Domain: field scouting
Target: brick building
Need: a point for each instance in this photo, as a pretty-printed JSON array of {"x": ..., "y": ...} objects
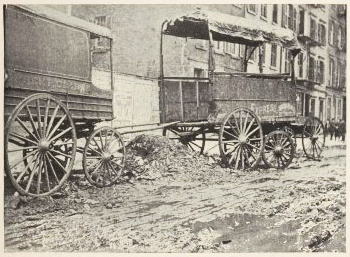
[{"x": 320, "y": 68}]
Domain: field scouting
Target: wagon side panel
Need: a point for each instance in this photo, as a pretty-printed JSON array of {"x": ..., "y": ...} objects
[
  {"x": 273, "y": 100},
  {"x": 185, "y": 100},
  {"x": 84, "y": 101}
]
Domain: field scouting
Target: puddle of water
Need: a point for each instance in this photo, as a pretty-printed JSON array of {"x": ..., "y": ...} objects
[{"x": 253, "y": 233}]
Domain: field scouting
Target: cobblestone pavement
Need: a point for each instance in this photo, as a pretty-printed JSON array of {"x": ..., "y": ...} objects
[{"x": 301, "y": 208}]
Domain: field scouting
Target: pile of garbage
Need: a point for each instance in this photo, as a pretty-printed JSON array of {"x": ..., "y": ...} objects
[{"x": 151, "y": 157}]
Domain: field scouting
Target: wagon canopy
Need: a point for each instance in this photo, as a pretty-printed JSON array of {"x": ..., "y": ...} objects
[
  {"x": 230, "y": 28},
  {"x": 60, "y": 17}
]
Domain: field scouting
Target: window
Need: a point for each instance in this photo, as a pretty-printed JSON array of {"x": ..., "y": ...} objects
[
  {"x": 334, "y": 107},
  {"x": 312, "y": 69},
  {"x": 275, "y": 14},
  {"x": 338, "y": 74},
  {"x": 312, "y": 106},
  {"x": 287, "y": 61},
  {"x": 241, "y": 50},
  {"x": 300, "y": 64},
  {"x": 105, "y": 21},
  {"x": 322, "y": 34},
  {"x": 301, "y": 21},
  {"x": 313, "y": 29},
  {"x": 252, "y": 8},
  {"x": 300, "y": 104},
  {"x": 290, "y": 17},
  {"x": 263, "y": 53},
  {"x": 338, "y": 109},
  {"x": 252, "y": 54},
  {"x": 329, "y": 108},
  {"x": 331, "y": 71},
  {"x": 219, "y": 45},
  {"x": 340, "y": 38},
  {"x": 264, "y": 10},
  {"x": 320, "y": 72},
  {"x": 284, "y": 16},
  {"x": 331, "y": 33},
  {"x": 198, "y": 73},
  {"x": 273, "y": 55},
  {"x": 231, "y": 48}
]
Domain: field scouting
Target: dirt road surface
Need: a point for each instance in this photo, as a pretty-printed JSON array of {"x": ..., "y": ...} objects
[{"x": 211, "y": 209}]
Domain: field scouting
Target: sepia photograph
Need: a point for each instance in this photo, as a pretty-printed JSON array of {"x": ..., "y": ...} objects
[{"x": 174, "y": 128}]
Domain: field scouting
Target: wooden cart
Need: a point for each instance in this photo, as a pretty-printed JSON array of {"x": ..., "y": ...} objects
[
  {"x": 251, "y": 115},
  {"x": 50, "y": 101}
]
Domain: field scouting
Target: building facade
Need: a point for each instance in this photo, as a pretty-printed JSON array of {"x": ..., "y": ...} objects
[{"x": 319, "y": 68}]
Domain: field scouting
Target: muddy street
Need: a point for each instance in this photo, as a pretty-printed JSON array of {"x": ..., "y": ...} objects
[{"x": 211, "y": 209}]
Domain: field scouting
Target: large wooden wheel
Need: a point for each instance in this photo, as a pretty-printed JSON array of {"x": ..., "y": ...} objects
[
  {"x": 104, "y": 157},
  {"x": 241, "y": 139},
  {"x": 192, "y": 137},
  {"x": 313, "y": 138},
  {"x": 278, "y": 150},
  {"x": 40, "y": 145}
]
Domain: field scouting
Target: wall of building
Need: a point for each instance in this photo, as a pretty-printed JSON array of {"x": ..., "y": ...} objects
[{"x": 136, "y": 30}]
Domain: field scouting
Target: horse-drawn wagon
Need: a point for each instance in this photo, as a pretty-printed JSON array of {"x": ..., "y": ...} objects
[
  {"x": 253, "y": 115},
  {"x": 51, "y": 102}
]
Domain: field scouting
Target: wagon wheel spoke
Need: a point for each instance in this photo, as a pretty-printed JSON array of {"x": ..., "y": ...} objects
[
  {"x": 31, "y": 177},
  {"x": 313, "y": 138},
  {"x": 193, "y": 142},
  {"x": 247, "y": 142},
  {"x": 31, "y": 120},
  {"x": 278, "y": 150},
  {"x": 100, "y": 169},
  {"x": 27, "y": 167}
]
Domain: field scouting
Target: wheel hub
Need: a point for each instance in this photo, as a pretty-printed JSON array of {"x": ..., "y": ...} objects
[
  {"x": 242, "y": 139},
  {"x": 44, "y": 145},
  {"x": 278, "y": 150},
  {"x": 106, "y": 156}
]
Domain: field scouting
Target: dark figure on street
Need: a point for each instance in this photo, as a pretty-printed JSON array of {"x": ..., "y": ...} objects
[
  {"x": 342, "y": 129},
  {"x": 332, "y": 128},
  {"x": 337, "y": 132},
  {"x": 327, "y": 127}
]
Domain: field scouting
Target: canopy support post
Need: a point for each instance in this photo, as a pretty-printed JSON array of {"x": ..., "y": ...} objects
[
  {"x": 292, "y": 68},
  {"x": 112, "y": 75},
  {"x": 161, "y": 75},
  {"x": 260, "y": 59},
  {"x": 211, "y": 61},
  {"x": 245, "y": 60}
]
